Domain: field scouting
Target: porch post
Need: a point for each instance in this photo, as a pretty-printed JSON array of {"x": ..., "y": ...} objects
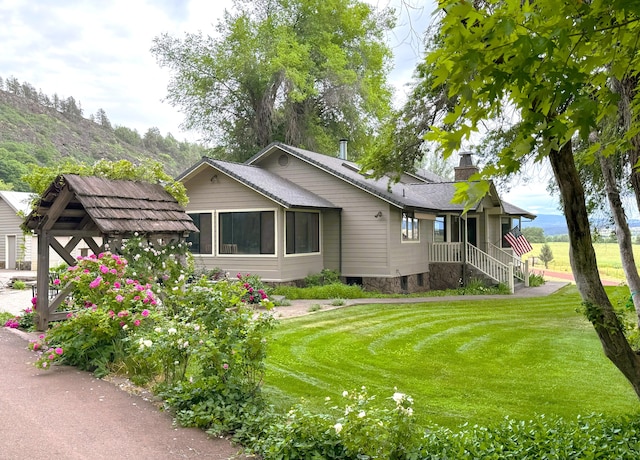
[
  {"x": 512, "y": 288},
  {"x": 526, "y": 273}
]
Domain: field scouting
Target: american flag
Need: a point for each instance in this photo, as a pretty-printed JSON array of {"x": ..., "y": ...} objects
[{"x": 518, "y": 241}]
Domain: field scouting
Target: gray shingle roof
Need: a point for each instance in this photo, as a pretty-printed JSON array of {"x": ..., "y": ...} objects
[
  {"x": 281, "y": 190},
  {"x": 397, "y": 194},
  {"x": 514, "y": 210}
]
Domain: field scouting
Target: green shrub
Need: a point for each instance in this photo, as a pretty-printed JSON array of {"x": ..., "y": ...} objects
[
  {"x": 331, "y": 291},
  {"x": 323, "y": 278},
  {"x": 19, "y": 285},
  {"x": 362, "y": 428},
  {"x": 550, "y": 438},
  {"x": 536, "y": 280}
]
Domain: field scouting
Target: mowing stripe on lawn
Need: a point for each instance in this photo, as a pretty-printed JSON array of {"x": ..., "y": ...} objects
[{"x": 460, "y": 361}]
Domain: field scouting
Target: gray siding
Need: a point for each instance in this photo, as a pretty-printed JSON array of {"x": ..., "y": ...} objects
[
  {"x": 365, "y": 238},
  {"x": 408, "y": 257},
  {"x": 10, "y": 225}
]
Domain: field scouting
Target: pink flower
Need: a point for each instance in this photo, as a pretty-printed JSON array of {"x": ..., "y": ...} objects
[
  {"x": 113, "y": 271},
  {"x": 101, "y": 255},
  {"x": 117, "y": 285},
  {"x": 145, "y": 313},
  {"x": 130, "y": 281},
  {"x": 36, "y": 346},
  {"x": 34, "y": 301},
  {"x": 111, "y": 313},
  {"x": 85, "y": 271},
  {"x": 119, "y": 298},
  {"x": 52, "y": 356},
  {"x": 225, "y": 366},
  {"x": 41, "y": 336},
  {"x": 95, "y": 283},
  {"x": 136, "y": 298},
  {"x": 56, "y": 282},
  {"x": 28, "y": 310},
  {"x": 58, "y": 351},
  {"x": 136, "y": 322},
  {"x": 69, "y": 315},
  {"x": 123, "y": 314},
  {"x": 73, "y": 267}
]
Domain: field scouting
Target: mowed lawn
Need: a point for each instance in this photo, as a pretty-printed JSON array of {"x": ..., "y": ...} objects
[{"x": 463, "y": 361}]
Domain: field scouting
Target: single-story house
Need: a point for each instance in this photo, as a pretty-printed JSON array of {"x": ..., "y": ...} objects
[{"x": 287, "y": 213}]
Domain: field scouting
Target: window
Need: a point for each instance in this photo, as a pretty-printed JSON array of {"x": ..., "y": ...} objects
[
  {"x": 303, "y": 232},
  {"x": 247, "y": 232},
  {"x": 506, "y": 226},
  {"x": 410, "y": 227},
  {"x": 440, "y": 229},
  {"x": 201, "y": 243}
]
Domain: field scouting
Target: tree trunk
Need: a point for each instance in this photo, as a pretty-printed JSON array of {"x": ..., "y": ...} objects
[
  {"x": 623, "y": 233},
  {"x": 582, "y": 256}
]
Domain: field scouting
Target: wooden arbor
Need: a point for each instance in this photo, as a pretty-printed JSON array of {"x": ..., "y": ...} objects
[{"x": 89, "y": 208}]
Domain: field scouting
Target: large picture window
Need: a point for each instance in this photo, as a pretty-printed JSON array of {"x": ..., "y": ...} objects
[
  {"x": 247, "y": 232},
  {"x": 201, "y": 243},
  {"x": 303, "y": 232},
  {"x": 410, "y": 227}
]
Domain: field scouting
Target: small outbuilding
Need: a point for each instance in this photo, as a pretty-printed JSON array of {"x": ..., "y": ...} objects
[{"x": 102, "y": 213}]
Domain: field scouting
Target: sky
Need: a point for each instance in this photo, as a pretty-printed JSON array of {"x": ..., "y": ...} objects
[{"x": 99, "y": 53}]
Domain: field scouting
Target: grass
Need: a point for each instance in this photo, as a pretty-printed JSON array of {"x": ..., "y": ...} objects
[
  {"x": 461, "y": 361},
  {"x": 607, "y": 255}
]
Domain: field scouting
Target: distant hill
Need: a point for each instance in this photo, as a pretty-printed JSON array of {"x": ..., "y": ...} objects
[
  {"x": 553, "y": 225},
  {"x": 42, "y": 130}
]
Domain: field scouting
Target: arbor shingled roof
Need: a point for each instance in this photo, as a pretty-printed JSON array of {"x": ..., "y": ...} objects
[{"x": 112, "y": 207}]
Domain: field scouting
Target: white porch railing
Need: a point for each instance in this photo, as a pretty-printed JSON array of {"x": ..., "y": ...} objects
[
  {"x": 445, "y": 252},
  {"x": 499, "y": 266},
  {"x": 490, "y": 266},
  {"x": 520, "y": 268}
]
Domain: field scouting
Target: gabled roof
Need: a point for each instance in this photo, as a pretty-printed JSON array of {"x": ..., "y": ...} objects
[
  {"x": 274, "y": 187},
  {"x": 20, "y": 202},
  {"x": 514, "y": 210},
  {"x": 397, "y": 194},
  {"x": 111, "y": 207},
  {"x": 440, "y": 194}
]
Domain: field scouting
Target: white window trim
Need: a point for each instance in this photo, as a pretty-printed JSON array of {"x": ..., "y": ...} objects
[{"x": 410, "y": 241}]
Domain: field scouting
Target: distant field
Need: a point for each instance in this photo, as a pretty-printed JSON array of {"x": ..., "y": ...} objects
[
  {"x": 462, "y": 361},
  {"x": 607, "y": 254}
]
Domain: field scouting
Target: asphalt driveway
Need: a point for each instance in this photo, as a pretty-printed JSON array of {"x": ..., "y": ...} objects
[{"x": 65, "y": 413}]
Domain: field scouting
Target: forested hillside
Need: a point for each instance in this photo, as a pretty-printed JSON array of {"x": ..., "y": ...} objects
[{"x": 43, "y": 130}]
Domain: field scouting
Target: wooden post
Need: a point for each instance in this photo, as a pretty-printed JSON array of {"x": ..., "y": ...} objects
[{"x": 42, "y": 281}]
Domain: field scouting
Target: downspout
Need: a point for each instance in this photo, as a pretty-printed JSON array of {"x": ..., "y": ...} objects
[
  {"x": 465, "y": 242},
  {"x": 340, "y": 241}
]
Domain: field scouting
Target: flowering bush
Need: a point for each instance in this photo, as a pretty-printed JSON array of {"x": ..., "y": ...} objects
[
  {"x": 255, "y": 290},
  {"x": 360, "y": 429},
  {"x": 25, "y": 321}
]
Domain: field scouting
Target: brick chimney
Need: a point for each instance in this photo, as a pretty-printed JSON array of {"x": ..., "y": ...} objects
[{"x": 466, "y": 168}]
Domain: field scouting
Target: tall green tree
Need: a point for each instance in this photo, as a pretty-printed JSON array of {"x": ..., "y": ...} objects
[
  {"x": 549, "y": 66},
  {"x": 306, "y": 72}
]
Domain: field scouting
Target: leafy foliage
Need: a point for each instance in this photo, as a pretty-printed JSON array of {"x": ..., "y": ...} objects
[
  {"x": 40, "y": 178},
  {"x": 36, "y": 131},
  {"x": 305, "y": 72}
]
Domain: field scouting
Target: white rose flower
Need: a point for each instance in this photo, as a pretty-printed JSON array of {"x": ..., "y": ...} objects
[
  {"x": 398, "y": 397},
  {"x": 337, "y": 427},
  {"x": 362, "y": 414}
]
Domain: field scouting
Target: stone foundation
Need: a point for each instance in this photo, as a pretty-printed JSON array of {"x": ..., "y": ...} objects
[
  {"x": 409, "y": 284},
  {"x": 445, "y": 276}
]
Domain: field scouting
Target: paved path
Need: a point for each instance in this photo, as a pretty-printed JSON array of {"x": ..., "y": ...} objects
[{"x": 68, "y": 414}]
